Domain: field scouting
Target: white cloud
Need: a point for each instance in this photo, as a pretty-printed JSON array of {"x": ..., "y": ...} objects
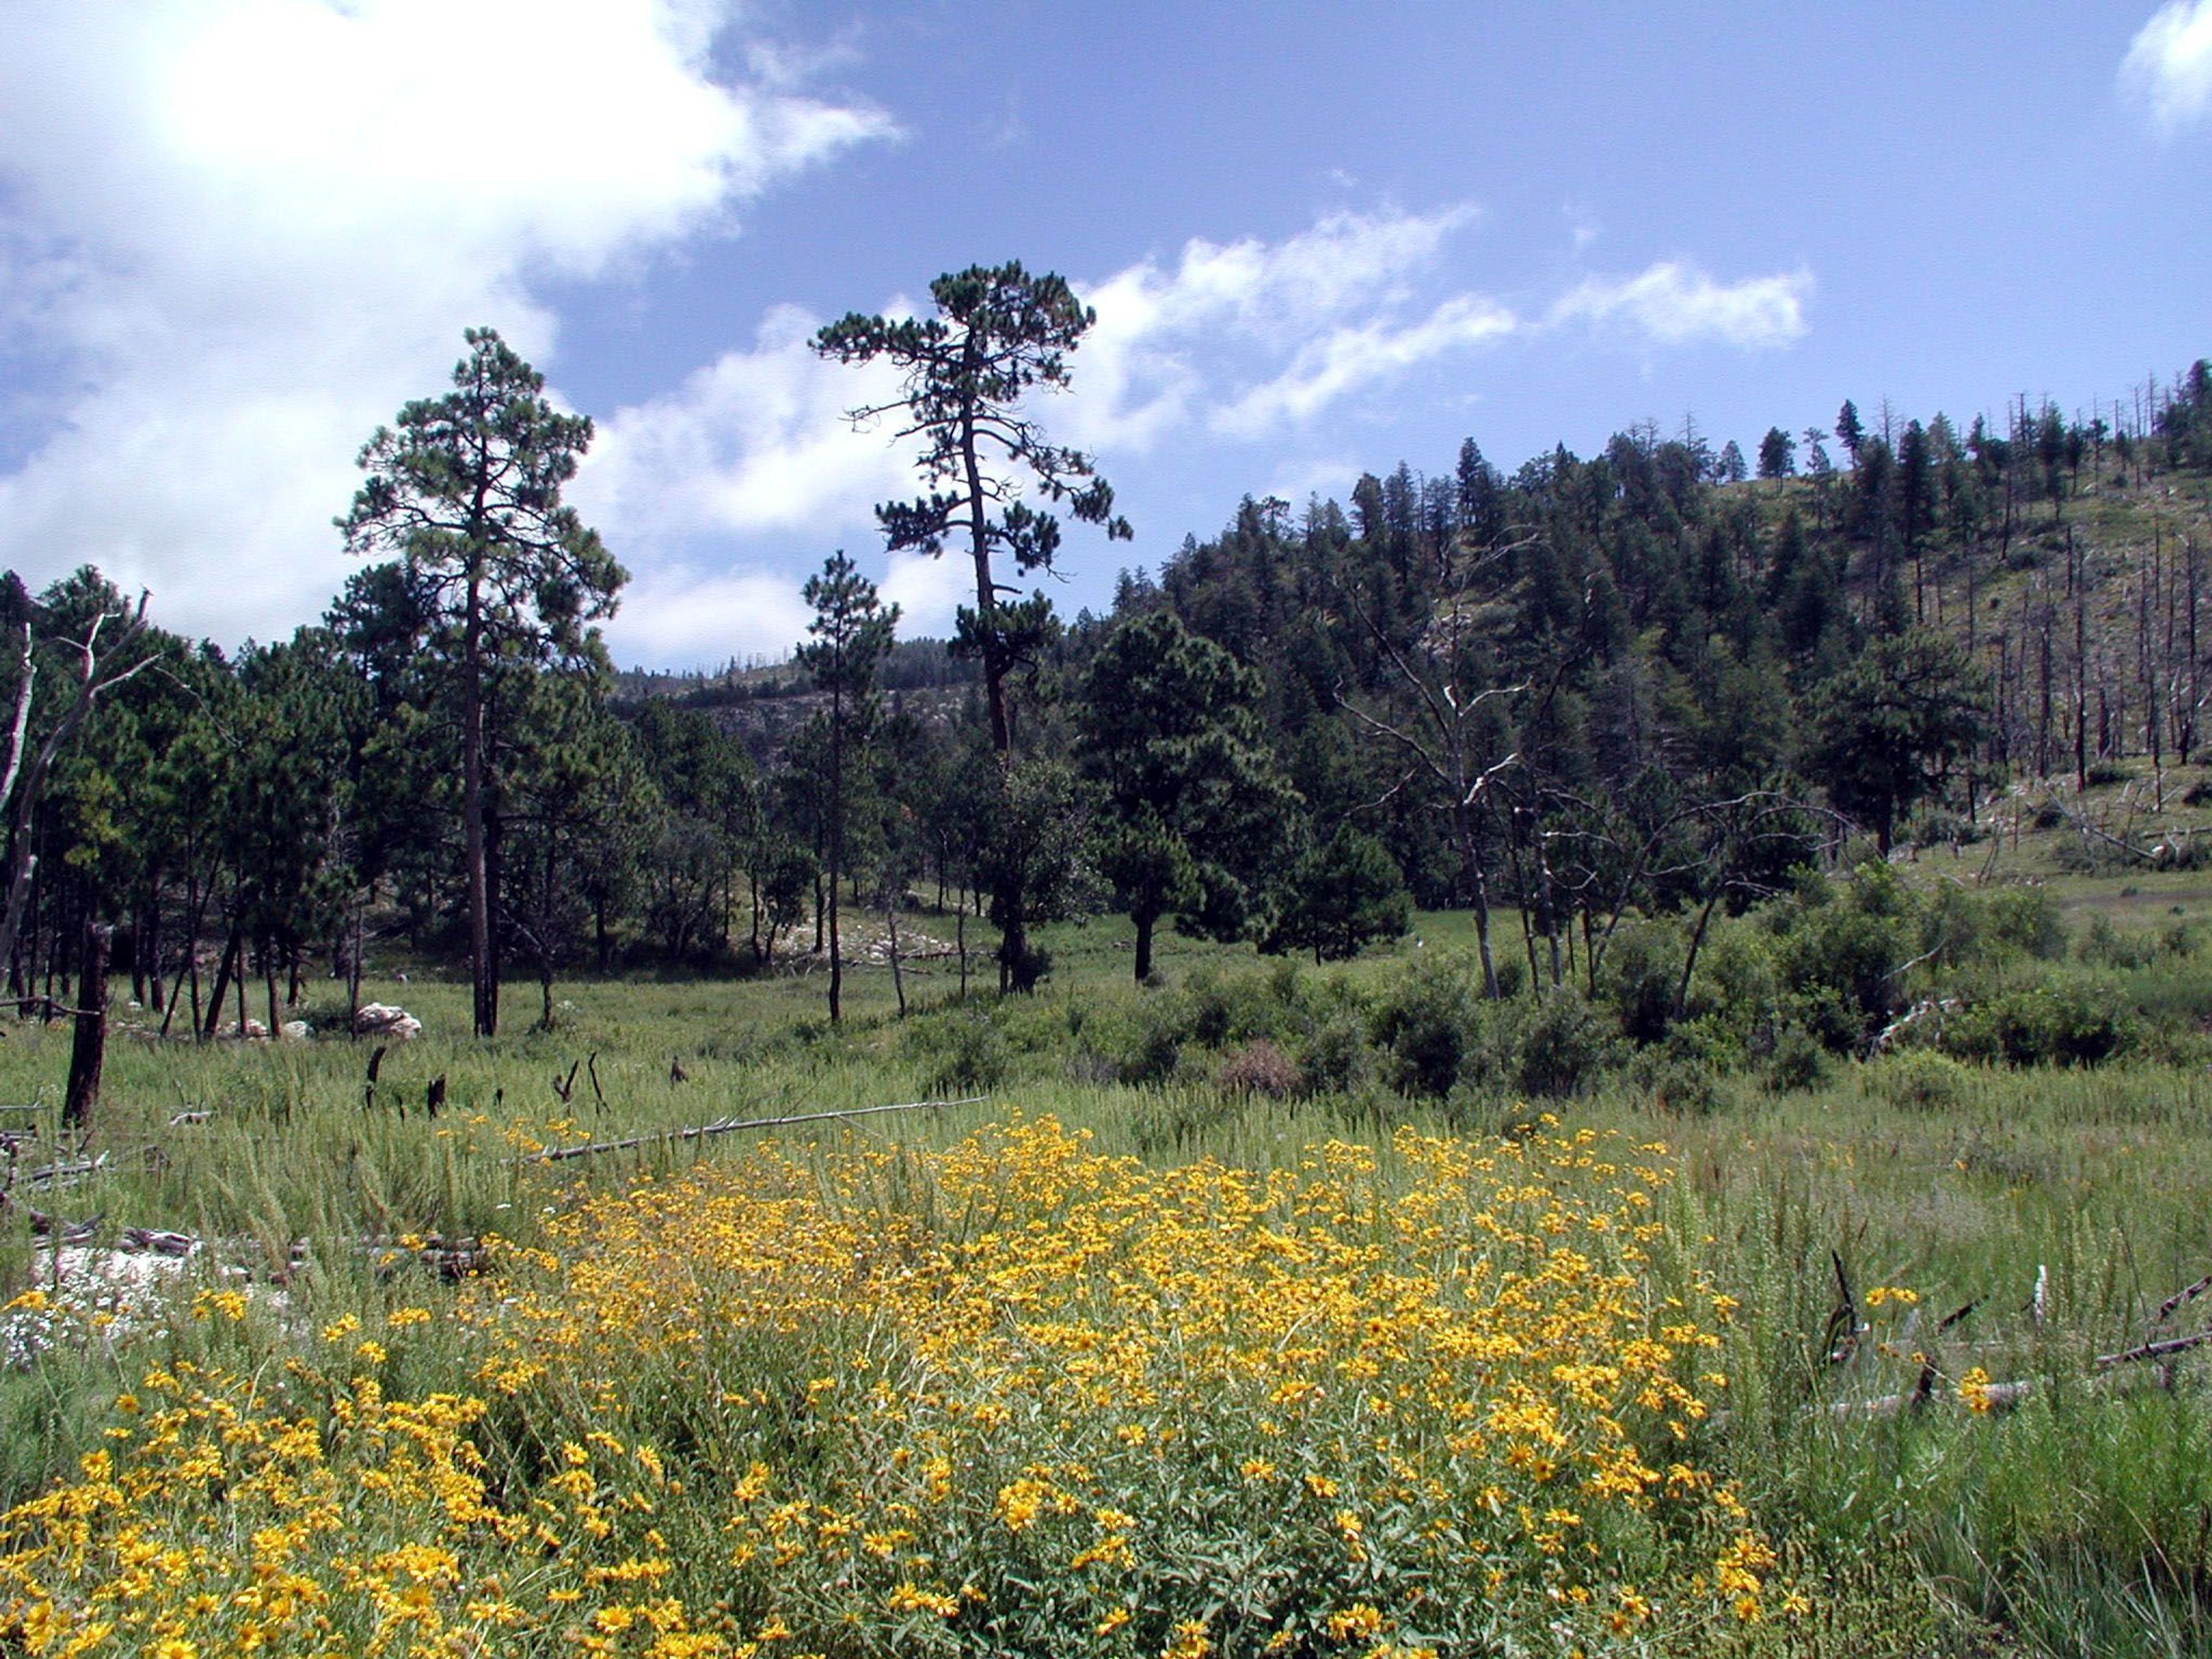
[
  {"x": 756, "y": 441},
  {"x": 2168, "y": 67},
  {"x": 1169, "y": 341},
  {"x": 1347, "y": 359},
  {"x": 251, "y": 228},
  {"x": 928, "y": 591},
  {"x": 682, "y": 613},
  {"x": 1672, "y": 304},
  {"x": 676, "y": 612},
  {"x": 1242, "y": 340}
]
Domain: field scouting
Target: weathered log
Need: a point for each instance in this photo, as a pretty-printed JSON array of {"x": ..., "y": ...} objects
[{"x": 729, "y": 1126}]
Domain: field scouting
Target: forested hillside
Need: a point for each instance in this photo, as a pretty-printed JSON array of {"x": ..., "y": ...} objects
[{"x": 1642, "y": 681}]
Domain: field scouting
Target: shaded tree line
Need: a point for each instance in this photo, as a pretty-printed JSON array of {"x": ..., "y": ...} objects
[{"x": 1593, "y": 690}]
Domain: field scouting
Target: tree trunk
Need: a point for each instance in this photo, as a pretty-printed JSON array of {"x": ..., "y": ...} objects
[
  {"x": 230, "y": 951},
  {"x": 890, "y": 928},
  {"x": 752, "y": 886},
  {"x": 1144, "y": 947},
  {"x": 89, "y": 1049},
  {"x": 158, "y": 1002},
  {"x": 484, "y": 1006},
  {"x": 353, "y": 968},
  {"x": 837, "y": 849}
]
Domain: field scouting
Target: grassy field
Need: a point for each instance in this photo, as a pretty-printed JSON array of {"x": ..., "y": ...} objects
[{"x": 1171, "y": 1338}]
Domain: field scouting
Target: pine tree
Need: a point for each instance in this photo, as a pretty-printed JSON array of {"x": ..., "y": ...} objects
[
  {"x": 852, "y": 631},
  {"x": 466, "y": 491}
]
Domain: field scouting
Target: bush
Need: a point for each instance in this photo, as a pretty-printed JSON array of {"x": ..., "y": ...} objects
[
  {"x": 1563, "y": 1047},
  {"x": 1335, "y": 1059},
  {"x": 1798, "y": 1062},
  {"x": 1842, "y": 952},
  {"x": 1642, "y": 970},
  {"x": 2104, "y": 946},
  {"x": 963, "y": 1050},
  {"x": 1736, "y": 980},
  {"x": 2027, "y": 920},
  {"x": 1422, "y": 1024},
  {"x": 1682, "y": 1087},
  {"x": 1953, "y": 927},
  {"x": 1919, "y": 1081},
  {"x": 1240, "y": 1008},
  {"x": 1154, "y": 1058},
  {"x": 2067, "y": 1021},
  {"x": 1259, "y": 1069}
]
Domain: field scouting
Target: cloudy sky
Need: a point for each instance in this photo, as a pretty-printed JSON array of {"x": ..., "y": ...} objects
[{"x": 236, "y": 234}]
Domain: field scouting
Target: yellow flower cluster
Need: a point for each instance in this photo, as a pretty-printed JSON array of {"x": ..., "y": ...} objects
[{"x": 1016, "y": 1393}]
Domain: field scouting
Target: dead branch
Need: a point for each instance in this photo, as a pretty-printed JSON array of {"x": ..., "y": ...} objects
[
  {"x": 730, "y": 1125},
  {"x": 2164, "y": 1349},
  {"x": 2172, "y": 1304}
]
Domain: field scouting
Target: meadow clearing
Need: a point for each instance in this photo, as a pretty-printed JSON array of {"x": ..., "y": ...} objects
[{"x": 1188, "y": 1330}]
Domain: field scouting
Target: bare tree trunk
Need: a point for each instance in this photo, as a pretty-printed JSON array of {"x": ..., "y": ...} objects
[
  {"x": 231, "y": 949},
  {"x": 89, "y": 1048},
  {"x": 484, "y": 1004},
  {"x": 25, "y": 785},
  {"x": 891, "y": 926},
  {"x": 353, "y": 968}
]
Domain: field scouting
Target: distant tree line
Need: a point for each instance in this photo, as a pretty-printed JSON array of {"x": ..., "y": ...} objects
[{"x": 1594, "y": 690}]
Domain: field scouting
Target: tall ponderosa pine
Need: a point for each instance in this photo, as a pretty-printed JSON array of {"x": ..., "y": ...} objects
[
  {"x": 852, "y": 632},
  {"x": 465, "y": 490},
  {"x": 999, "y": 334}
]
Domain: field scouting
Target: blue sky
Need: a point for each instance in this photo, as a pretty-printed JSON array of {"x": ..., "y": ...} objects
[{"x": 235, "y": 235}]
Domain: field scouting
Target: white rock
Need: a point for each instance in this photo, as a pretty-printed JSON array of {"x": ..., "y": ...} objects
[{"x": 385, "y": 1020}]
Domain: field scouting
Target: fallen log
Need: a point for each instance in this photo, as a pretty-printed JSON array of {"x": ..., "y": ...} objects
[
  {"x": 729, "y": 1126},
  {"x": 1997, "y": 1397},
  {"x": 2162, "y": 1350}
]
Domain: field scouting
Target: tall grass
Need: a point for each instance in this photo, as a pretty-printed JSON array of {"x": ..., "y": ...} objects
[{"x": 2077, "y": 1523}]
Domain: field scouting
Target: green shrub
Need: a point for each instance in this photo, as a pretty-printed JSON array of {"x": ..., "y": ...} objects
[
  {"x": 2027, "y": 920},
  {"x": 1919, "y": 1081},
  {"x": 1642, "y": 969},
  {"x": 1683, "y": 1087},
  {"x": 963, "y": 1050},
  {"x": 1563, "y": 1047},
  {"x": 1798, "y": 1062},
  {"x": 1154, "y": 1058},
  {"x": 1422, "y": 1023},
  {"x": 2104, "y": 946},
  {"x": 1840, "y": 956},
  {"x": 1737, "y": 979},
  {"x": 2067, "y": 1020},
  {"x": 1335, "y": 1057}
]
